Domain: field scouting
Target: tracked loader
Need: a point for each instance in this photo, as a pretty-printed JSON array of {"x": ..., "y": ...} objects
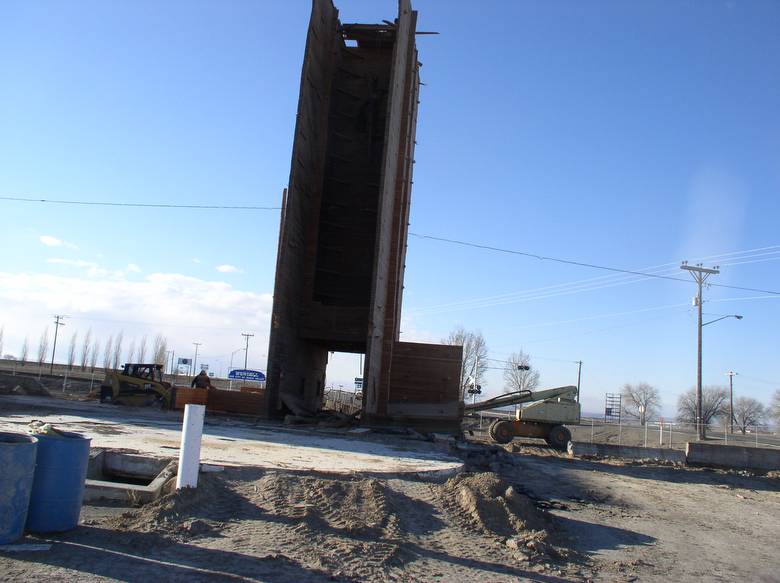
[{"x": 137, "y": 384}]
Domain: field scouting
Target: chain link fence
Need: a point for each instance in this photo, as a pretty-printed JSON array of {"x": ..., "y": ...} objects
[{"x": 672, "y": 435}]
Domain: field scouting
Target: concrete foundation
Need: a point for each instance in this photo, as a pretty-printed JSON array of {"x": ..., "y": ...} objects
[
  {"x": 625, "y": 452},
  {"x": 732, "y": 456},
  {"x": 126, "y": 477}
]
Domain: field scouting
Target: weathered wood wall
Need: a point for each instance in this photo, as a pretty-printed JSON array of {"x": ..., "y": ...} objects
[{"x": 343, "y": 237}]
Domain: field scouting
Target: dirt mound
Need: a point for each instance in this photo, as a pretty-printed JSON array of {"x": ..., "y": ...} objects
[
  {"x": 178, "y": 511},
  {"x": 10, "y": 385},
  {"x": 349, "y": 506},
  {"x": 492, "y": 506}
]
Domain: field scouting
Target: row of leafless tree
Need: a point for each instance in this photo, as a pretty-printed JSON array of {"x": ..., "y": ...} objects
[
  {"x": 642, "y": 401},
  {"x": 85, "y": 352},
  {"x": 518, "y": 372}
]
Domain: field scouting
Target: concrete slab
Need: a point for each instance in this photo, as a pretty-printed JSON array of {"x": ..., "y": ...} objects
[
  {"x": 732, "y": 456},
  {"x": 581, "y": 449},
  {"x": 231, "y": 441}
]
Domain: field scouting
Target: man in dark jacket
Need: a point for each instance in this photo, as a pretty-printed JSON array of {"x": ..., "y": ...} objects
[{"x": 202, "y": 381}]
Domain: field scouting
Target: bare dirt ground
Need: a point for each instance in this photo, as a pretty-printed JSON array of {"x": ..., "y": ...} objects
[
  {"x": 529, "y": 515},
  {"x": 520, "y": 513}
]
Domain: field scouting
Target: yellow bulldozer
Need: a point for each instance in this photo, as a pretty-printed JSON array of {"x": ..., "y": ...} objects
[{"x": 139, "y": 385}]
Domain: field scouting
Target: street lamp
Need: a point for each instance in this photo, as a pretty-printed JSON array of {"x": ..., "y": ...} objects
[
  {"x": 231, "y": 364},
  {"x": 731, "y": 375},
  {"x": 737, "y": 316}
]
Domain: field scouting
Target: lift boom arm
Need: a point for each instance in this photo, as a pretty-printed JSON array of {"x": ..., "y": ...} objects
[{"x": 518, "y": 397}]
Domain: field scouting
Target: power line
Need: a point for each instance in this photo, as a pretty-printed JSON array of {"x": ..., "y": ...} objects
[
  {"x": 143, "y": 205},
  {"x": 418, "y": 235},
  {"x": 580, "y": 286},
  {"x": 579, "y": 263}
]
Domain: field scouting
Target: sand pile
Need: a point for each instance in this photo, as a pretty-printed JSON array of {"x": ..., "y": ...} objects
[
  {"x": 358, "y": 507},
  {"x": 492, "y": 506},
  {"x": 194, "y": 511}
]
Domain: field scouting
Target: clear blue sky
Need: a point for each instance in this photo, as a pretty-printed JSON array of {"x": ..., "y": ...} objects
[{"x": 627, "y": 134}]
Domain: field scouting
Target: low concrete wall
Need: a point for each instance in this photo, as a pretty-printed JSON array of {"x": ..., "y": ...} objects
[
  {"x": 626, "y": 452},
  {"x": 732, "y": 456}
]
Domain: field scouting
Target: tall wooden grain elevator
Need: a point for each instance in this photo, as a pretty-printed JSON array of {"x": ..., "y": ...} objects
[{"x": 344, "y": 227}]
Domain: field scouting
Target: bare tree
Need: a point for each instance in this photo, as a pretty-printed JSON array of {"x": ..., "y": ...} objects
[
  {"x": 43, "y": 346},
  {"x": 93, "y": 354},
  {"x": 131, "y": 352},
  {"x": 714, "y": 404},
  {"x": 108, "y": 351},
  {"x": 117, "y": 350},
  {"x": 142, "y": 349},
  {"x": 25, "y": 350},
  {"x": 747, "y": 412},
  {"x": 474, "y": 356},
  {"x": 85, "y": 345},
  {"x": 159, "y": 349},
  {"x": 774, "y": 407},
  {"x": 519, "y": 375},
  {"x": 72, "y": 350},
  {"x": 641, "y": 401}
]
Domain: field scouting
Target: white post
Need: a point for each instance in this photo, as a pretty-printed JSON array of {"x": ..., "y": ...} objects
[
  {"x": 189, "y": 452},
  {"x": 756, "y": 435},
  {"x": 64, "y": 380},
  {"x": 670, "y": 436},
  {"x": 661, "y": 433},
  {"x": 645, "y": 432},
  {"x": 91, "y": 380}
]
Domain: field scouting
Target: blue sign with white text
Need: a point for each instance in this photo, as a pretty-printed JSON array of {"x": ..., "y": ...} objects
[{"x": 247, "y": 375}]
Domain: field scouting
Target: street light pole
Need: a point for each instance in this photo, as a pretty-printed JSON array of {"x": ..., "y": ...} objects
[
  {"x": 230, "y": 384},
  {"x": 700, "y": 275},
  {"x": 195, "y": 362},
  {"x": 246, "y": 350},
  {"x": 731, "y": 374},
  {"x": 579, "y": 374}
]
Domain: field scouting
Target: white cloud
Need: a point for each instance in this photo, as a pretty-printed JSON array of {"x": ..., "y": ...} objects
[
  {"x": 92, "y": 268},
  {"x": 50, "y": 241},
  {"x": 196, "y": 260},
  {"x": 184, "y": 309},
  {"x": 227, "y": 268}
]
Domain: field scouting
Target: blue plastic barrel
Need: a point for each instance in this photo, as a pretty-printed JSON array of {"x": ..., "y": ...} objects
[
  {"x": 58, "y": 487},
  {"x": 17, "y": 467}
]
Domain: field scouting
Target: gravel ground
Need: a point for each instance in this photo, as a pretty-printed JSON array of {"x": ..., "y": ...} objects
[{"x": 528, "y": 515}]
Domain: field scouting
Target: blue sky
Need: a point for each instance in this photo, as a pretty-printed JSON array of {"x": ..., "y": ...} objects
[{"x": 633, "y": 135}]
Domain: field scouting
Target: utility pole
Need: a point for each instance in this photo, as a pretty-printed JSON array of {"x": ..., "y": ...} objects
[
  {"x": 57, "y": 323},
  {"x": 700, "y": 275},
  {"x": 195, "y": 362},
  {"x": 246, "y": 350},
  {"x": 579, "y": 375},
  {"x": 731, "y": 374}
]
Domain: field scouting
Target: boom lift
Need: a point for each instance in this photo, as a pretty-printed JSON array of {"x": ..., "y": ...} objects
[{"x": 546, "y": 417}]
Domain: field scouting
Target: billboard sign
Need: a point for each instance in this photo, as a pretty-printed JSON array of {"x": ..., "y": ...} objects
[{"x": 245, "y": 374}]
